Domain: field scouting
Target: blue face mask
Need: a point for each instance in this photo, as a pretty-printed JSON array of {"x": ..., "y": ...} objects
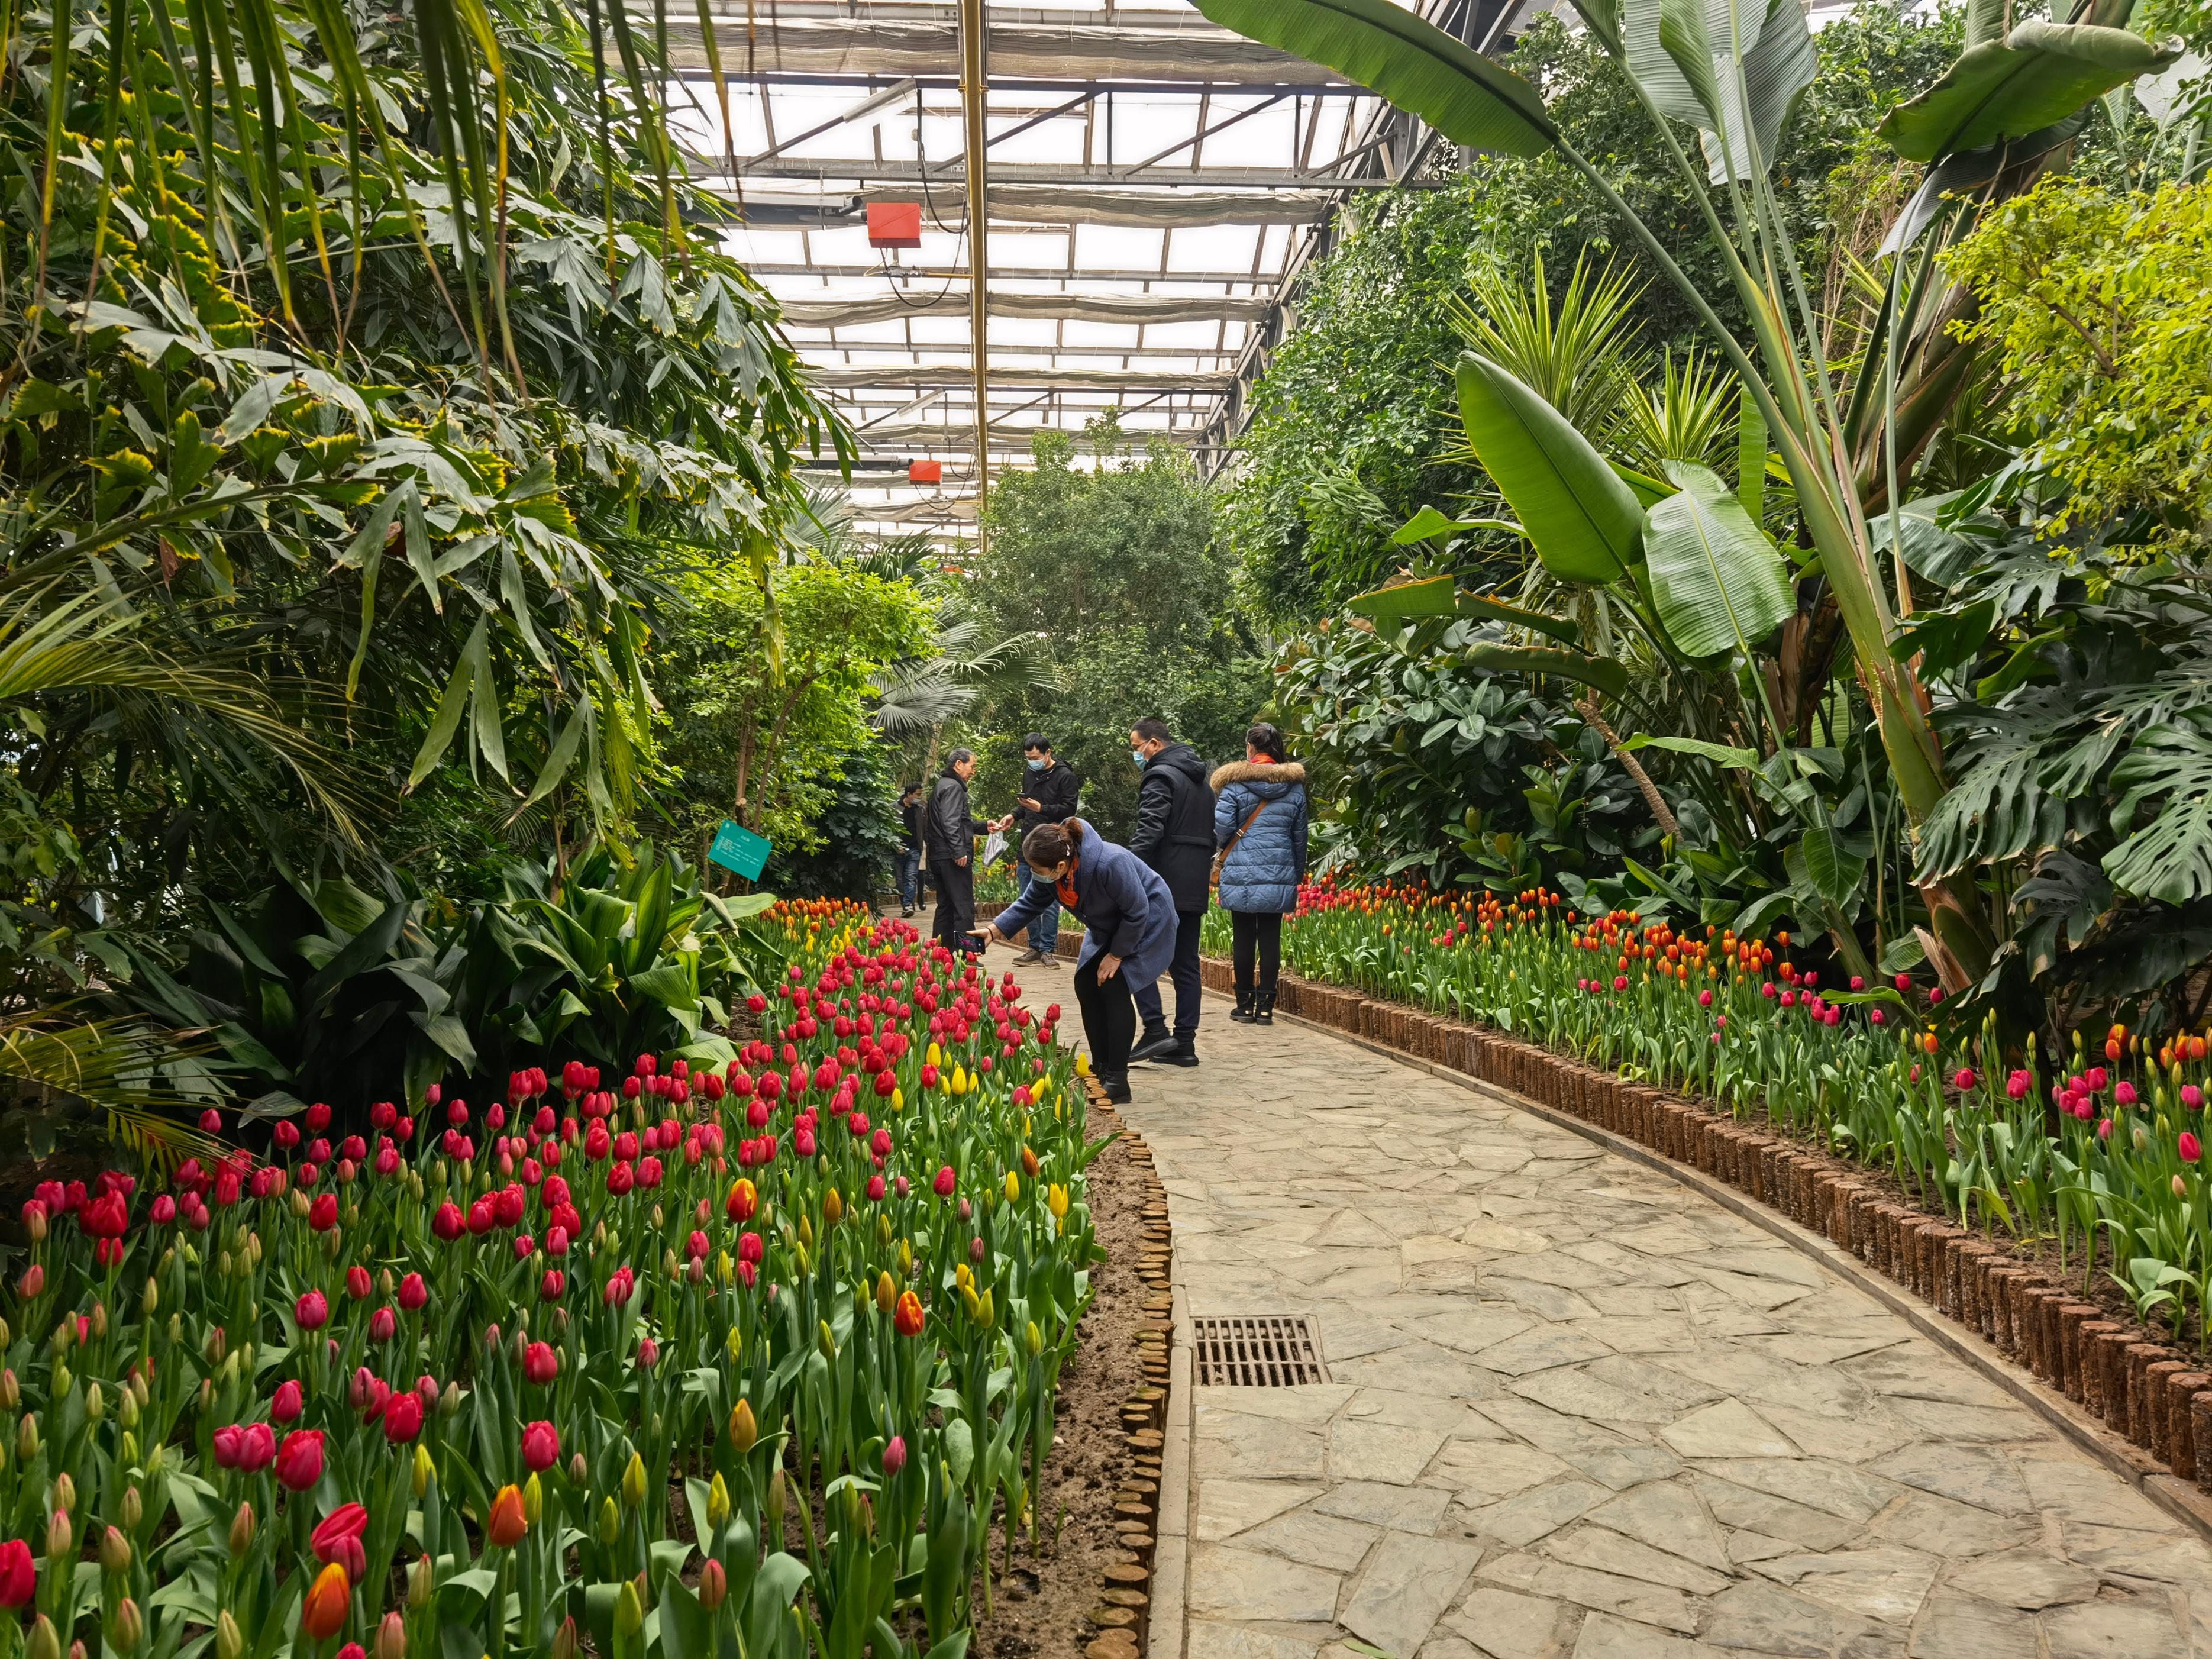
[
  {"x": 1139, "y": 755},
  {"x": 1037, "y": 766}
]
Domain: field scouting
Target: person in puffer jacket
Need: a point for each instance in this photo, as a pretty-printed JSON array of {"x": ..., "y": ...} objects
[{"x": 1259, "y": 814}]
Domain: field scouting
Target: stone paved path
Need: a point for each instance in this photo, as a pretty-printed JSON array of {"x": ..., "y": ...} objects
[{"x": 1576, "y": 1409}]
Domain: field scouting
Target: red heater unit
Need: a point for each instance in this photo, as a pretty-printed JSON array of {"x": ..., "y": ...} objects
[
  {"x": 893, "y": 224},
  {"x": 928, "y": 472}
]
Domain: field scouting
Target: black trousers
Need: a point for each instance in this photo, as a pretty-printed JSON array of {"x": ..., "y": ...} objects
[
  {"x": 956, "y": 902},
  {"x": 1110, "y": 1020},
  {"x": 1183, "y": 971},
  {"x": 1261, "y": 930}
]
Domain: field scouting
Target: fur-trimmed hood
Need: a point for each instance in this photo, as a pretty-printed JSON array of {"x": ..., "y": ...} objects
[{"x": 1257, "y": 772}]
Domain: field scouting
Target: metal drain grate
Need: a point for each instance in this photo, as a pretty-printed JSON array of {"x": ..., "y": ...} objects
[{"x": 1261, "y": 1353}]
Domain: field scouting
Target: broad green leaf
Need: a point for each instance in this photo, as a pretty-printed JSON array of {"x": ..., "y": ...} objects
[
  {"x": 1717, "y": 581},
  {"x": 2039, "y": 74},
  {"x": 1931, "y": 550},
  {"x": 1731, "y": 67},
  {"x": 452, "y": 705},
  {"x": 1833, "y": 872},
  {"x": 1469, "y": 98},
  {"x": 1429, "y": 523},
  {"x": 1432, "y": 597},
  {"x": 2171, "y": 857},
  {"x": 1603, "y": 672},
  {"x": 1584, "y": 521},
  {"x": 1721, "y": 754}
]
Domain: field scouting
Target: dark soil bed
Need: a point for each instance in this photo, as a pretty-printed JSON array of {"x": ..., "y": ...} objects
[{"x": 1044, "y": 1607}]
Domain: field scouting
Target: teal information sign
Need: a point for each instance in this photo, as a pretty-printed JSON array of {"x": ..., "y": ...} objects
[{"x": 737, "y": 848}]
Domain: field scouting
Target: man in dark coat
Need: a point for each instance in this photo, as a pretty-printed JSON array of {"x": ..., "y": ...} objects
[
  {"x": 906, "y": 863},
  {"x": 952, "y": 833},
  {"x": 1048, "y": 792},
  {"x": 1175, "y": 836}
]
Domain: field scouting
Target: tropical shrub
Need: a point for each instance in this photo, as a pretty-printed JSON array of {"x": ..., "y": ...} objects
[{"x": 740, "y": 1359}]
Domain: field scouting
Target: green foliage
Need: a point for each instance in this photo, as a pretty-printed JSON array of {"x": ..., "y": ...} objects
[
  {"x": 2096, "y": 299},
  {"x": 1422, "y": 762},
  {"x": 762, "y": 726},
  {"x": 1353, "y": 426},
  {"x": 1117, "y": 571}
]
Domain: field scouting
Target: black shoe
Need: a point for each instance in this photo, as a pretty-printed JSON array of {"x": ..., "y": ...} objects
[
  {"x": 1263, "y": 1010},
  {"x": 1242, "y": 1012},
  {"x": 1154, "y": 1043},
  {"x": 1117, "y": 1090},
  {"x": 1184, "y": 1052}
]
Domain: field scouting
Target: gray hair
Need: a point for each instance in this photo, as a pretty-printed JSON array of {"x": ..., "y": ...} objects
[{"x": 957, "y": 757}]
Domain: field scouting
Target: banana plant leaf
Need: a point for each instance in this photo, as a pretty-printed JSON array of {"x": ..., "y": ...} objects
[
  {"x": 1584, "y": 521},
  {"x": 1469, "y": 98},
  {"x": 1438, "y": 598},
  {"x": 1603, "y": 672},
  {"x": 1733, "y": 69},
  {"x": 1429, "y": 523},
  {"x": 2039, "y": 74},
  {"x": 1717, "y": 581}
]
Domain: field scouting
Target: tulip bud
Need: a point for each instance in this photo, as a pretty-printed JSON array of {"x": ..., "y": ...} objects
[
  {"x": 95, "y": 1403},
  {"x": 126, "y": 1410},
  {"x": 824, "y": 1341},
  {"x": 629, "y": 1610},
  {"x": 564, "y": 1640},
  {"x": 241, "y": 1531},
  {"x": 115, "y": 1549},
  {"x": 1036, "y": 1340},
  {"x": 449, "y": 1402},
  {"x": 533, "y": 1500},
  {"x": 718, "y": 1502},
  {"x": 229, "y": 1640},
  {"x": 59, "y": 1387},
  {"x": 391, "y": 1637},
  {"x": 134, "y": 1509},
  {"x": 151, "y": 1299},
  {"x": 609, "y": 1521},
  {"x": 633, "y": 1485},
  {"x": 578, "y": 1471},
  {"x": 126, "y": 1627},
  {"x": 61, "y": 1537},
  {"x": 775, "y": 1503},
  {"x": 99, "y": 1320},
  {"x": 422, "y": 1581},
  {"x": 744, "y": 1430},
  {"x": 45, "y": 1644},
  {"x": 425, "y": 1469}
]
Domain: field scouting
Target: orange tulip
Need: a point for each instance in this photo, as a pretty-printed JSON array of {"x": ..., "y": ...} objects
[
  {"x": 323, "y": 1614},
  {"x": 507, "y": 1522}
]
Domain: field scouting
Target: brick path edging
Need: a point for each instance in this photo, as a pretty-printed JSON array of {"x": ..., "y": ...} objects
[{"x": 2138, "y": 1405}]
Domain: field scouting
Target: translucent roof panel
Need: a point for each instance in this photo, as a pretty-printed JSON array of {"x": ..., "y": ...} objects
[{"x": 1155, "y": 185}]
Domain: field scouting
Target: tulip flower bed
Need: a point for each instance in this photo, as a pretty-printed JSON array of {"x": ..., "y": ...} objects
[
  {"x": 2097, "y": 1153},
  {"x": 691, "y": 1362}
]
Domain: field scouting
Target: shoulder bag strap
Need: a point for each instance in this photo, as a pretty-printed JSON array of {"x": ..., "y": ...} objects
[{"x": 1221, "y": 858}]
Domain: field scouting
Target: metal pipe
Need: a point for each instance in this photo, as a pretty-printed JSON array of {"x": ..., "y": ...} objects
[{"x": 975, "y": 100}]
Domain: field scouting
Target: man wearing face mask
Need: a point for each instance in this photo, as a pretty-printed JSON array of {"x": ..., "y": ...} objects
[
  {"x": 1175, "y": 836},
  {"x": 1049, "y": 792}
]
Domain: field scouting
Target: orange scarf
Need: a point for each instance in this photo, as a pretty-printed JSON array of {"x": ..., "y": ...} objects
[{"x": 1064, "y": 884}]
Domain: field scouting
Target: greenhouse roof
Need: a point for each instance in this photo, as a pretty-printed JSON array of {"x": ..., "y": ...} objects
[{"x": 1155, "y": 185}]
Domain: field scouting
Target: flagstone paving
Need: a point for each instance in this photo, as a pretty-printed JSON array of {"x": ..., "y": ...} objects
[{"x": 1576, "y": 1411}]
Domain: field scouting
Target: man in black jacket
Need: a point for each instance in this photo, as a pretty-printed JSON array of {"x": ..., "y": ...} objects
[
  {"x": 906, "y": 863},
  {"x": 1175, "y": 836},
  {"x": 952, "y": 833},
  {"x": 1049, "y": 792}
]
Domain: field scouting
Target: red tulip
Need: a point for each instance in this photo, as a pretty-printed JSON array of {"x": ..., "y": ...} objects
[
  {"x": 541, "y": 1446},
  {"x": 540, "y": 1364},
  {"x": 300, "y": 1460},
  {"x": 323, "y": 1213},
  {"x": 19, "y": 1575},
  {"x": 2190, "y": 1148},
  {"x": 313, "y": 1311},
  {"x": 287, "y": 1406},
  {"x": 337, "y": 1541},
  {"x": 413, "y": 1292},
  {"x": 447, "y": 1223},
  {"x": 402, "y": 1418},
  {"x": 382, "y": 1325},
  {"x": 944, "y": 1183},
  {"x": 33, "y": 1282},
  {"x": 553, "y": 1284},
  {"x": 357, "y": 1283}
]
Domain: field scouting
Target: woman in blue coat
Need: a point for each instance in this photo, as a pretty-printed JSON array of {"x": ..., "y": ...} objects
[
  {"x": 1128, "y": 919},
  {"x": 1260, "y": 815}
]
